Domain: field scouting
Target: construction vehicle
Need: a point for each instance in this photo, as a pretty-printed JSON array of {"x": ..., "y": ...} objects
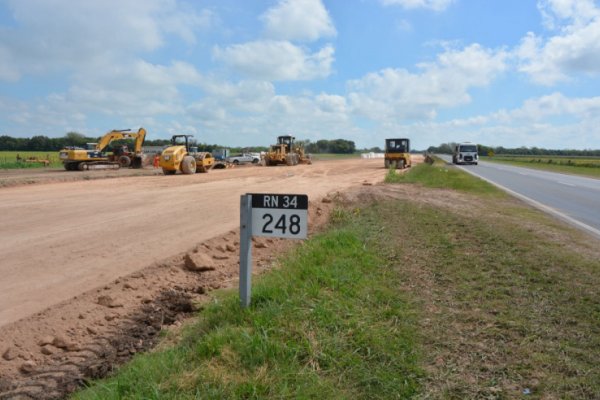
[
  {"x": 101, "y": 156},
  {"x": 465, "y": 153},
  {"x": 34, "y": 160},
  {"x": 286, "y": 152},
  {"x": 397, "y": 153},
  {"x": 182, "y": 156}
]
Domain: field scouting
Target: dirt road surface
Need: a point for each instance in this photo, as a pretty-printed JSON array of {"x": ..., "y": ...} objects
[
  {"x": 60, "y": 239},
  {"x": 95, "y": 265}
]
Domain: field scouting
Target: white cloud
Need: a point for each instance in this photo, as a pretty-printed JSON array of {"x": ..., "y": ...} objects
[
  {"x": 558, "y": 105},
  {"x": 331, "y": 103},
  {"x": 550, "y": 121},
  {"x": 242, "y": 98},
  {"x": 574, "y": 50},
  {"x": 51, "y": 36},
  {"x": 298, "y": 20},
  {"x": 276, "y": 60},
  {"x": 578, "y": 12},
  {"x": 132, "y": 93},
  {"x": 436, "y": 5},
  {"x": 399, "y": 94}
]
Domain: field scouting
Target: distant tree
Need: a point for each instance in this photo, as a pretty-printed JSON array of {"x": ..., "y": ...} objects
[
  {"x": 500, "y": 150},
  {"x": 342, "y": 146},
  {"x": 76, "y": 139},
  {"x": 8, "y": 143},
  {"x": 39, "y": 143},
  {"x": 445, "y": 148}
]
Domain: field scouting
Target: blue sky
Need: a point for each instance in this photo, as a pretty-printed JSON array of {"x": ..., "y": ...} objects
[{"x": 241, "y": 72}]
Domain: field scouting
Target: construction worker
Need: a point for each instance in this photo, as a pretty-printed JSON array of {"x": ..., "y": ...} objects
[{"x": 156, "y": 159}]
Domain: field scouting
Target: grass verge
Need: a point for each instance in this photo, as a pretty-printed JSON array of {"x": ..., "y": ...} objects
[
  {"x": 564, "y": 166},
  {"x": 330, "y": 323},
  {"x": 440, "y": 176}
]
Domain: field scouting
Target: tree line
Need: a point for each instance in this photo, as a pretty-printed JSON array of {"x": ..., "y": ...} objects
[
  {"x": 44, "y": 143},
  {"x": 337, "y": 146},
  {"x": 447, "y": 148}
]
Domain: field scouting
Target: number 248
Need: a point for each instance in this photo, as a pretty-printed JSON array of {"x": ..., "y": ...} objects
[{"x": 282, "y": 224}]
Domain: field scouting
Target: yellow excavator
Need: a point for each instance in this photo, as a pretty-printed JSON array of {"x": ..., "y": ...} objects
[
  {"x": 98, "y": 156},
  {"x": 182, "y": 156}
]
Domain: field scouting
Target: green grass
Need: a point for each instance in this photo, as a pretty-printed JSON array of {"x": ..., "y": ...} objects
[
  {"x": 506, "y": 308},
  {"x": 585, "y": 166},
  {"x": 439, "y": 175},
  {"x": 329, "y": 324},
  {"x": 8, "y": 159},
  {"x": 482, "y": 298}
]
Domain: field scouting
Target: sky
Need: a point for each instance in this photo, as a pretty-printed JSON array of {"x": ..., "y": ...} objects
[{"x": 239, "y": 73}]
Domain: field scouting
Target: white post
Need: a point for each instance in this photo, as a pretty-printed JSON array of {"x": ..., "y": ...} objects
[{"x": 245, "y": 249}]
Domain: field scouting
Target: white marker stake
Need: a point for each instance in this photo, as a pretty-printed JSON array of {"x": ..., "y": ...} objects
[
  {"x": 245, "y": 249},
  {"x": 270, "y": 215}
]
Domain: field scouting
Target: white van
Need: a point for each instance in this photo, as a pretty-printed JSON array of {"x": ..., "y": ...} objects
[{"x": 465, "y": 153}]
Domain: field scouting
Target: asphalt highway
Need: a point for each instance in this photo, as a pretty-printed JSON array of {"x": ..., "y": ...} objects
[{"x": 572, "y": 198}]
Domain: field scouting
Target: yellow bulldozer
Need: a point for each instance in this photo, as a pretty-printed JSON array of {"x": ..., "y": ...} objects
[
  {"x": 182, "y": 156},
  {"x": 397, "y": 153},
  {"x": 286, "y": 152},
  {"x": 101, "y": 156}
]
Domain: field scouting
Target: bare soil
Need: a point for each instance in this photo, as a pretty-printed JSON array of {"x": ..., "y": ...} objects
[{"x": 93, "y": 268}]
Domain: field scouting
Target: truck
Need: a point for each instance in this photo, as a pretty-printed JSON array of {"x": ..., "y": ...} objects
[
  {"x": 243, "y": 158},
  {"x": 220, "y": 154},
  {"x": 397, "y": 153},
  {"x": 465, "y": 153},
  {"x": 101, "y": 156}
]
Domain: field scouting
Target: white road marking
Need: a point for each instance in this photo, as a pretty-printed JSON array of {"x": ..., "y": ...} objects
[
  {"x": 542, "y": 207},
  {"x": 567, "y": 184}
]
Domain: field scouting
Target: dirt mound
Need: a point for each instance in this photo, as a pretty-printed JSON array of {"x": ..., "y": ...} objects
[{"x": 69, "y": 365}]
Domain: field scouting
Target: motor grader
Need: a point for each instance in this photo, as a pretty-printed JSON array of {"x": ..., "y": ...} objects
[
  {"x": 182, "y": 156},
  {"x": 286, "y": 152},
  {"x": 397, "y": 153},
  {"x": 98, "y": 156}
]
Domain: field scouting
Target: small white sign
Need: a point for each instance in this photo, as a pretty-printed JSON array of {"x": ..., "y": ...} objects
[{"x": 280, "y": 215}]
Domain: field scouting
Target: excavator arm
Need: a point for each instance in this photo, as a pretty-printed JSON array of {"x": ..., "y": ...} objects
[
  {"x": 139, "y": 140},
  {"x": 113, "y": 135},
  {"x": 123, "y": 134}
]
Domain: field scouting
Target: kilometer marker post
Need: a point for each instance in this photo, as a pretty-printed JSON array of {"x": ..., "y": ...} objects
[
  {"x": 245, "y": 249},
  {"x": 271, "y": 215}
]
